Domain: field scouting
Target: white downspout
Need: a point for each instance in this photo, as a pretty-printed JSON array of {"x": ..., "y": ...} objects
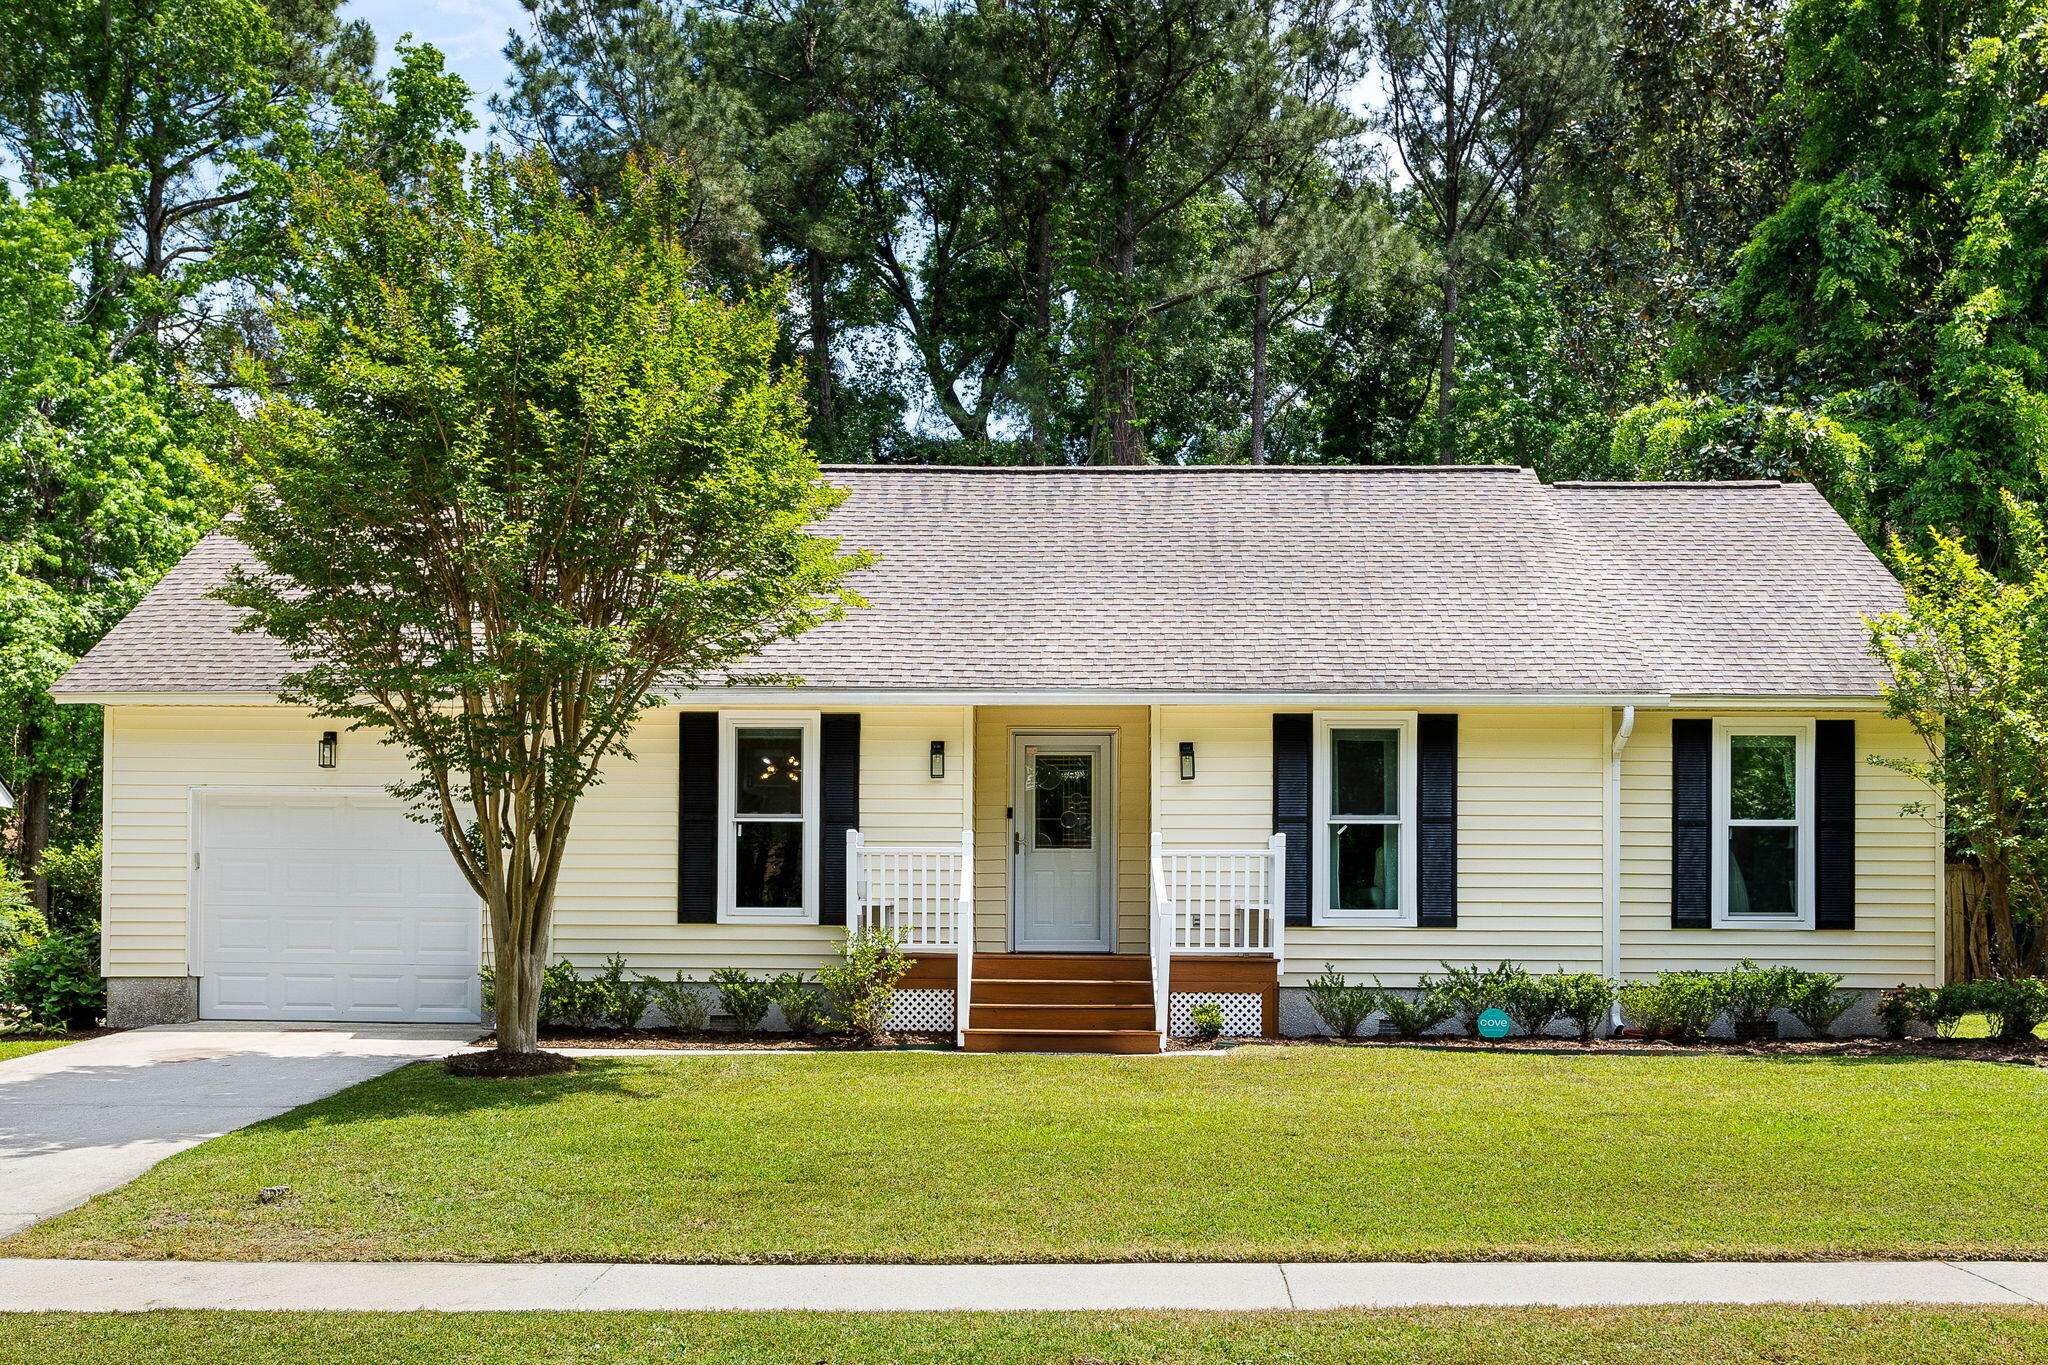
[{"x": 1613, "y": 840}]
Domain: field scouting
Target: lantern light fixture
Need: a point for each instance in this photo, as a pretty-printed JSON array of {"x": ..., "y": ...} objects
[
  {"x": 1187, "y": 760},
  {"x": 938, "y": 758},
  {"x": 329, "y": 743}
]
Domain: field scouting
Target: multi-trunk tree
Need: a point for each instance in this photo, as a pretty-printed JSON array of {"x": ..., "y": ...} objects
[{"x": 519, "y": 476}]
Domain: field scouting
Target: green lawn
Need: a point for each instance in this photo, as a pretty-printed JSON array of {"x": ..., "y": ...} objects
[
  {"x": 21, "y": 1047},
  {"x": 1691, "y": 1336},
  {"x": 1311, "y": 1153}
]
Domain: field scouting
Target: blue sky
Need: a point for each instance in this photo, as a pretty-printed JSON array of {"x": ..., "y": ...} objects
[{"x": 470, "y": 34}]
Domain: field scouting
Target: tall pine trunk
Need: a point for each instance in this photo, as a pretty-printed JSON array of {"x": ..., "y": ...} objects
[
  {"x": 1262, "y": 323},
  {"x": 820, "y": 359},
  {"x": 1447, "y": 364}
]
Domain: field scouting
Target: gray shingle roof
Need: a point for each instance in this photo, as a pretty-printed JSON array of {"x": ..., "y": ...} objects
[{"x": 1276, "y": 580}]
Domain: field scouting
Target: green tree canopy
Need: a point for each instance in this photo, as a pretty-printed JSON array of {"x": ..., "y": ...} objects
[{"x": 521, "y": 474}]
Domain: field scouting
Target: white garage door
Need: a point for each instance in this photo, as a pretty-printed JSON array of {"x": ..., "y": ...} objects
[{"x": 334, "y": 908}]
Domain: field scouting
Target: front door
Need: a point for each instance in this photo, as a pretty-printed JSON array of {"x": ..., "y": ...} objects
[{"x": 1061, "y": 831}]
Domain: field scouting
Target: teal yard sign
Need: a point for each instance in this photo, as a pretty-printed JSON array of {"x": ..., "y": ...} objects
[{"x": 1494, "y": 1023}]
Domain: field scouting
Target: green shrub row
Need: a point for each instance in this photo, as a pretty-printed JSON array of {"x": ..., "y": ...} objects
[
  {"x": 1534, "y": 1001},
  {"x": 1678, "y": 1006},
  {"x": 49, "y": 981},
  {"x": 851, "y": 995},
  {"x": 2017, "y": 1007}
]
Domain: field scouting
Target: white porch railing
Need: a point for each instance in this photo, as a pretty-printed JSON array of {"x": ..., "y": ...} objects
[
  {"x": 1215, "y": 900},
  {"x": 924, "y": 895}
]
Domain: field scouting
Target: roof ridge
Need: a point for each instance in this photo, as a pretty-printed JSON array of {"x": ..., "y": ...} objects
[
  {"x": 1617, "y": 484},
  {"x": 1178, "y": 468}
]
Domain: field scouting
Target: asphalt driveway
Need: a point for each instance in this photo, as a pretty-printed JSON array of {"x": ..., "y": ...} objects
[{"x": 91, "y": 1116}]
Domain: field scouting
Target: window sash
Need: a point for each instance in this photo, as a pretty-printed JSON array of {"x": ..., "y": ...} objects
[
  {"x": 730, "y": 820},
  {"x": 1323, "y": 819},
  {"x": 1725, "y": 824}
]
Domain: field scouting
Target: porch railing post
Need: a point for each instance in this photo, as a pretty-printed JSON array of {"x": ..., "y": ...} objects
[
  {"x": 1162, "y": 939},
  {"x": 1276, "y": 896},
  {"x": 856, "y": 913},
  {"x": 963, "y": 941}
]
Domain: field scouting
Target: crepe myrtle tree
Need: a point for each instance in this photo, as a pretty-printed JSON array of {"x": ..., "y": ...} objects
[{"x": 515, "y": 476}]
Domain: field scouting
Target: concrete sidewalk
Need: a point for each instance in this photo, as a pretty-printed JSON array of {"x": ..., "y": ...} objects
[{"x": 127, "y": 1286}]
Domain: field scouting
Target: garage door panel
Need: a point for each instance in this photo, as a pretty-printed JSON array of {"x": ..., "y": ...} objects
[{"x": 332, "y": 907}]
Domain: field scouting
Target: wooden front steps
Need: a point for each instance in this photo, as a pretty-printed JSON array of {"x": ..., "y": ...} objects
[{"x": 1061, "y": 1002}]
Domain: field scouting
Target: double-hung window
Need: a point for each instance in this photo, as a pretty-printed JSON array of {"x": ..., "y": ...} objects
[
  {"x": 768, "y": 819},
  {"x": 1363, "y": 820},
  {"x": 1763, "y": 824}
]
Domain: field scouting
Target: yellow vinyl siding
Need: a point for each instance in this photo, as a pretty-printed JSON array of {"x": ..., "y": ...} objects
[
  {"x": 993, "y": 726},
  {"x": 618, "y": 887},
  {"x": 1529, "y": 837},
  {"x": 1897, "y": 866}
]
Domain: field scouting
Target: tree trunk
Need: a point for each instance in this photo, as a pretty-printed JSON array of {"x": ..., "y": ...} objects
[
  {"x": 1262, "y": 321},
  {"x": 516, "y": 1009},
  {"x": 820, "y": 359},
  {"x": 1038, "y": 266},
  {"x": 1447, "y": 364},
  {"x": 1119, "y": 374},
  {"x": 32, "y": 822}
]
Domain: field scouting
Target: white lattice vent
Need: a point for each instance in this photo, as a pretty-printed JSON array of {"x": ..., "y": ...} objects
[
  {"x": 921, "y": 1012},
  {"x": 1242, "y": 1012}
]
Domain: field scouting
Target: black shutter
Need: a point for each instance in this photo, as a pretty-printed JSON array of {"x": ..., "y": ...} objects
[
  {"x": 1293, "y": 745},
  {"x": 839, "y": 808},
  {"x": 1834, "y": 824},
  {"x": 1692, "y": 824},
  {"x": 1436, "y": 812},
  {"x": 697, "y": 837}
]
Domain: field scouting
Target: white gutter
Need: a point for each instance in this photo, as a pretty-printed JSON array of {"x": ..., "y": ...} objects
[{"x": 1612, "y": 839}]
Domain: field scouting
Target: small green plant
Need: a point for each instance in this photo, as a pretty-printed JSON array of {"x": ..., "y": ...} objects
[
  {"x": 568, "y": 999},
  {"x": 1942, "y": 1008},
  {"x": 21, "y": 924},
  {"x": 1206, "y": 1019},
  {"x": 1534, "y": 1002},
  {"x": 54, "y": 984},
  {"x": 1584, "y": 998},
  {"x": 73, "y": 874},
  {"x": 1342, "y": 1006},
  {"x": 1816, "y": 1000},
  {"x": 1471, "y": 991},
  {"x": 1753, "y": 994},
  {"x": 1678, "y": 1006},
  {"x": 803, "y": 1008},
  {"x": 681, "y": 1001},
  {"x": 1416, "y": 1014},
  {"x": 2018, "y": 1005},
  {"x": 860, "y": 987},
  {"x": 1896, "y": 1010},
  {"x": 622, "y": 1000},
  {"x": 742, "y": 998}
]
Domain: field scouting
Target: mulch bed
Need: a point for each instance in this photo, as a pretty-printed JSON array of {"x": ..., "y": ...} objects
[
  {"x": 497, "y": 1065},
  {"x": 1954, "y": 1049},
  {"x": 669, "y": 1039}
]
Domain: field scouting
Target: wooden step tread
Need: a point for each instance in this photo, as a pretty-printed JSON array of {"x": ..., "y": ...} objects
[{"x": 1061, "y": 1040}]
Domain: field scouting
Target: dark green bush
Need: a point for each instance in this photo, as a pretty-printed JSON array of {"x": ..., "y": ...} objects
[
  {"x": 1816, "y": 1000},
  {"x": 1341, "y": 1005},
  {"x": 568, "y": 999},
  {"x": 743, "y": 998},
  {"x": 861, "y": 986},
  {"x": 73, "y": 874},
  {"x": 803, "y": 1007},
  {"x": 622, "y": 1001},
  {"x": 1897, "y": 1008},
  {"x": 1584, "y": 998},
  {"x": 1753, "y": 994},
  {"x": 2017, "y": 1004},
  {"x": 1534, "y": 1002},
  {"x": 21, "y": 924},
  {"x": 686, "y": 1006},
  {"x": 1677, "y": 1006},
  {"x": 1414, "y": 1015},
  {"x": 1471, "y": 991},
  {"x": 55, "y": 983}
]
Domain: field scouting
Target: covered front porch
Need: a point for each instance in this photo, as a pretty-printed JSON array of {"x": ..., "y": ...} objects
[{"x": 1062, "y": 919}]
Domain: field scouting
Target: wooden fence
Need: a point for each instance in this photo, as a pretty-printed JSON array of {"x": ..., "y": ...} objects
[{"x": 1968, "y": 937}]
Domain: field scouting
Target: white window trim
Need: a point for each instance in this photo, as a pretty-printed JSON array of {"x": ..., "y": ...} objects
[
  {"x": 1403, "y": 915},
  {"x": 730, "y": 723},
  {"x": 1802, "y": 893}
]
